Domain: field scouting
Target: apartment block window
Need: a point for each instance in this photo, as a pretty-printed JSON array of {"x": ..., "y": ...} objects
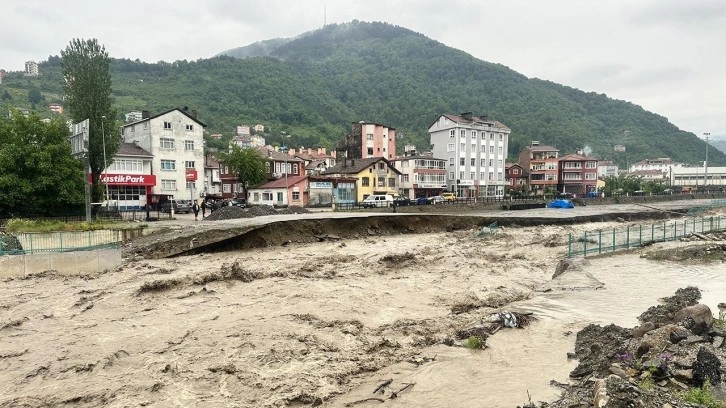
[
  {"x": 473, "y": 162},
  {"x": 491, "y": 149},
  {"x": 463, "y": 134},
  {"x": 168, "y": 165},
  {"x": 296, "y": 195},
  {"x": 168, "y": 185},
  {"x": 189, "y": 128},
  {"x": 500, "y": 176},
  {"x": 190, "y": 185},
  {"x": 461, "y": 175},
  {"x": 501, "y": 150},
  {"x": 451, "y": 175},
  {"x": 188, "y": 164},
  {"x": 451, "y": 161},
  {"x": 491, "y": 136},
  {"x": 450, "y": 147},
  {"x": 473, "y": 134},
  {"x": 369, "y": 136},
  {"x": 499, "y": 163},
  {"x": 167, "y": 125},
  {"x": 483, "y": 135},
  {"x": 501, "y": 137},
  {"x": 473, "y": 147},
  {"x": 473, "y": 175},
  {"x": 483, "y": 162},
  {"x": 491, "y": 162},
  {"x": 491, "y": 176},
  {"x": 452, "y": 133},
  {"x": 167, "y": 144},
  {"x": 461, "y": 161},
  {"x": 404, "y": 178},
  {"x": 365, "y": 182},
  {"x": 590, "y": 176},
  {"x": 370, "y": 151},
  {"x": 591, "y": 165},
  {"x": 482, "y": 176},
  {"x": 188, "y": 145},
  {"x": 463, "y": 147}
]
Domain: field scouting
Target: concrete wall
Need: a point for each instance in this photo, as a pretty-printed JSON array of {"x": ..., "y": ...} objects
[{"x": 64, "y": 263}]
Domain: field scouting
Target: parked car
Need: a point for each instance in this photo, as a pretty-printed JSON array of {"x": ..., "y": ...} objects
[
  {"x": 449, "y": 196},
  {"x": 436, "y": 199},
  {"x": 378, "y": 200},
  {"x": 180, "y": 206},
  {"x": 238, "y": 202},
  {"x": 566, "y": 196},
  {"x": 422, "y": 201},
  {"x": 401, "y": 201}
]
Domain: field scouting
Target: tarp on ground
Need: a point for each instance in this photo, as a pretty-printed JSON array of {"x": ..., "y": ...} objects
[{"x": 560, "y": 203}]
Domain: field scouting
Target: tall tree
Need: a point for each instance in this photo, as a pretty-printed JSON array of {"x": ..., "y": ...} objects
[
  {"x": 38, "y": 175},
  {"x": 88, "y": 94},
  {"x": 247, "y": 164}
]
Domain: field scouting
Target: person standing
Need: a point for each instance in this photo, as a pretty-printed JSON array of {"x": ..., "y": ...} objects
[
  {"x": 195, "y": 208},
  {"x": 204, "y": 208}
]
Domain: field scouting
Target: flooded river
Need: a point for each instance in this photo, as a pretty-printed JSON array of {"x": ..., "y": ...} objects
[{"x": 519, "y": 363}]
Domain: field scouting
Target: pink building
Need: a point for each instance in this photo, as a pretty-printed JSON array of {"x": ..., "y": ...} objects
[
  {"x": 368, "y": 140},
  {"x": 577, "y": 174}
]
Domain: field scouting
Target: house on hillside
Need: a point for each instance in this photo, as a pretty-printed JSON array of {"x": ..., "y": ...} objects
[
  {"x": 317, "y": 161},
  {"x": 475, "y": 148},
  {"x": 542, "y": 164},
  {"x": 280, "y": 165},
  {"x": 375, "y": 175}
]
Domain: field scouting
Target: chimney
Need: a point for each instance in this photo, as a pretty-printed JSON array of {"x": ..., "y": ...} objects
[
  {"x": 467, "y": 115},
  {"x": 144, "y": 114},
  {"x": 194, "y": 113},
  {"x": 185, "y": 109},
  {"x": 324, "y": 150},
  {"x": 292, "y": 152},
  {"x": 310, "y": 151},
  {"x": 535, "y": 142}
]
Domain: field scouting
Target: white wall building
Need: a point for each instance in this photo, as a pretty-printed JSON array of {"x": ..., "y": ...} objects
[
  {"x": 698, "y": 176},
  {"x": 664, "y": 164},
  {"x": 175, "y": 140},
  {"x": 421, "y": 175},
  {"x": 606, "y": 168},
  {"x": 475, "y": 148},
  {"x": 31, "y": 68}
]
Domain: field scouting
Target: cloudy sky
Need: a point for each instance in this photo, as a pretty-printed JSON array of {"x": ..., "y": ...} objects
[{"x": 668, "y": 56}]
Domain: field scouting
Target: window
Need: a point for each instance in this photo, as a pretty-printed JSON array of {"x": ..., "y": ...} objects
[
  {"x": 381, "y": 166},
  {"x": 126, "y": 165},
  {"x": 461, "y": 175},
  {"x": 189, "y": 128},
  {"x": 491, "y": 136},
  {"x": 296, "y": 195},
  {"x": 491, "y": 149},
  {"x": 381, "y": 181},
  {"x": 501, "y": 137},
  {"x": 391, "y": 182},
  {"x": 450, "y": 147},
  {"x": 499, "y": 163},
  {"x": 168, "y": 184},
  {"x": 369, "y": 136},
  {"x": 483, "y": 162},
  {"x": 463, "y": 147},
  {"x": 591, "y": 165},
  {"x": 451, "y": 161},
  {"x": 463, "y": 134},
  {"x": 370, "y": 151},
  {"x": 188, "y": 164},
  {"x": 483, "y": 135},
  {"x": 452, "y": 133},
  {"x": 168, "y": 165},
  {"x": 266, "y": 196},
  {"x": 461, "y": 161},
  {"x": 501, "y": 150},
  {"x": 279, "y": 197},
  {"x": 167, "y": 125},
  {"x": 167, "y": 144},
  {"x": 482, "y": 176},
  {"x": 590, "y": 176},
  {"x": 257, "y": 197},
  {"x": 473, "y": 175},
  {"x": 404, "y": 178},
  {"x": 295, "y": 168},
  {"x": 515, "y": 171},
  {"x": 267, "y": 166},
  {"x": 190, "y": 185},
  {"x": 491, "y": 176},
  {"x": 365, "y": 182},
  {"x": 491, "y": 162},
  {"x": 451, "y": 175},
  {"x": 473, "y": 147},
  {"x": 473, "y": 134},
  {"x": 500, "y": 176},
  {"x": 473, "y": 162},
  {"x": 189, "y": 145},
  {"x": 146, "y": 125}
]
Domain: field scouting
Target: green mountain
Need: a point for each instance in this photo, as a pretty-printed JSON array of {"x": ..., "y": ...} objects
[{"x": 315, "y": 85}]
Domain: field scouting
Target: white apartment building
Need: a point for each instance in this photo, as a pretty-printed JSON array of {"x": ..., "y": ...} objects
[
  {"x": 606, "y": 168},
  {"x": 31, "y": 68},
  {"x": 134, "y": 116},
  {"x": 697, "y": 177},
  {"x": 421, "y": 175},
  {"x": 664, "y": 164},
  {"x": 175, "y": 140},
  {"x": 475, "y": 148}
]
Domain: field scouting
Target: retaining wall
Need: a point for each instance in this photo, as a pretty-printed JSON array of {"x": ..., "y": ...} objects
[{"x": 64, "y": 263}]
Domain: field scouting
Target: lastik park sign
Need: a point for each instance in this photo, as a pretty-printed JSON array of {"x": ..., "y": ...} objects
[{"x": 128, "y": 179}]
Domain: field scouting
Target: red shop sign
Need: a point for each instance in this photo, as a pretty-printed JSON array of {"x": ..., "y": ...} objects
[{"x": 127, "y": 179}]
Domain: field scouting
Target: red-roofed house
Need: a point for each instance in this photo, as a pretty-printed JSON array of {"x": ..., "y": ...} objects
[
  {"x": 517, "y": 178},
  {"x": 286, "y": 191}
]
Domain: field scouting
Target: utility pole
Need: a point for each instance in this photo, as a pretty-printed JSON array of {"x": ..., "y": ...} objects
[{"x": 705, "y": 163}]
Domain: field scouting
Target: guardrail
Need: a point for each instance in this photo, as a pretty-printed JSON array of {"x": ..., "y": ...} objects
[
  {"x": 632, "y": 236},
  {"x": 37, "y": 242}
]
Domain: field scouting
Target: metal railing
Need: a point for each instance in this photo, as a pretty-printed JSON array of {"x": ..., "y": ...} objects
[
  {"x": 37, "y": 242},
  {"x": 633, "y": 236}
]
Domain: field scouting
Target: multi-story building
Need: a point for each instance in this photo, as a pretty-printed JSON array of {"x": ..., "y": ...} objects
[
  {"x": 212, "y": 178},
  {"x": 31, "y": 68},
  {"x": 367, "y": 140},
  {"x": 259, "y": 128},
  {"x": 606, "y": 168},
  {"x": 257, "y": 141},
  {"x": 421, "y": 175},
  {"x": 664, "y": 164},
  {"x": 129, "y": 179},
  {"x": 517, "y": 178},
  {"x": 475, "y": 148},
  {"x": 175, "y": 140},
  {"x": 242, "y": 130},
  {"x": 241, "y": 141},
  {"x": 577, "y": 174},
  {"x": 698, "y": 178},
  {"x": 316, "y": 161},
  {"x": 55, "y": 107},
  {"x": 374, "y": 175},
  {"x": 541, "y": 162}
]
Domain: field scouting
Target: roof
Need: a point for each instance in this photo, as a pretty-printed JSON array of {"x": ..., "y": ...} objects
[
  {"x": 315, "y": 164},
  {"x": 355, "y": 166},
  {"x": 474, "y": 119},
  {"x": 282, "y": 182},
  {"x": 131, "y": 149},
  {"x": 363, "y": 122},
  {"x": 186, "y": 113},
  {"x": 313, "y": 156},
  {"x": 647, "y": 173},
  {"x": 575, "y": 157},
  {"x": 418, "y": 156},
  {"x": 542, "y": 148},
  {"x": 270, "y": 152}
]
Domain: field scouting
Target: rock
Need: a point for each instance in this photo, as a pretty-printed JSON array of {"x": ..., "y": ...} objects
[
  {"x": 615, "y": 369},
  {"x": 685, "y": 376},
  {"x": 717, "y": 341},
  {"x": 600, "y": 391},
  {"x": 678, "y": 335},
  {"x": 642, "y": 329},
  {"x": 693, "y": 340},
  {"x": 679, "y": 384},
  {"x": 706, "y": 367},
  {"x": 697, "y": 318}
]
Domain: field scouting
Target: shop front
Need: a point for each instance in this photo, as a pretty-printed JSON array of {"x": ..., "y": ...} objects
[{"x": 129, "y": 191}]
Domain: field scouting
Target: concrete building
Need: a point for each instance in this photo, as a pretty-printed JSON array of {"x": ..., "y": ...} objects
[
  {"x": 31, "y": 68},
  {"x": 475, "y": 148},
  {"x": 129, "y": 178},
  {"x": 577, "y": 174},
  {"x": 175, "y": 139},
  {"x": 606, "y": 168},
  {"x": 368, "y": 140},
  {"x": 698, "y": 178},
  {"x": 373, "y": 175},
  {"x": 134, "y": 116},
  {"x": 421, "y": 176},
  {"x": 55, "y": 107},
  {"x": 542, "y": 163},
  {"x": 242, "y": 130},
  {"x": 259, "y": 128},
  {"x": 664, "y": 164}
]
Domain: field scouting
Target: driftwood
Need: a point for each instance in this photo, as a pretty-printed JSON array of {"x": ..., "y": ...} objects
[
  {"x": 350, "y": 404},
  {"x": 395, "y": 393},
  {"x": 383, "y": 385}
]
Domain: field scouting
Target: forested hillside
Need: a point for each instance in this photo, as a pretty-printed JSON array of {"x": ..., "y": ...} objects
[{"x": 315, "y": 85}]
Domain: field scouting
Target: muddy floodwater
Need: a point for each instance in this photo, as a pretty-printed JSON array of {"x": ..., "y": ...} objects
[
  {"x": 522, "y": 361},
  {"x": 323, "y": 324}
]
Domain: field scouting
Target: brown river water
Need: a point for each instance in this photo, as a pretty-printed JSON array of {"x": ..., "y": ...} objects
[{"x": 519, "y": 362}]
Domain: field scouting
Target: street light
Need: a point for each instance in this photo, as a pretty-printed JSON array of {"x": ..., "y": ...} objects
[
  {"x": 104, "y": 173},
  {"x": 705, "y": 164}
]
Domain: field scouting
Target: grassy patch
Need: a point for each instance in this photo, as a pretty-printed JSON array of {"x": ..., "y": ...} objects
[
  {"x": 703, "y": 396},
  {"x": 474, "y": 343},
  {"x": 16, "y": 225},
  {"x": 721, "y": 320}
]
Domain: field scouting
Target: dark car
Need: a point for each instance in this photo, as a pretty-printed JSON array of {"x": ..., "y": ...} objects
[
  {"x": 180, "y": 206},
  {"x": 401, "y": 201},
  {"x": 422, "y": 201},
  {"x": 238, "y": 203}
]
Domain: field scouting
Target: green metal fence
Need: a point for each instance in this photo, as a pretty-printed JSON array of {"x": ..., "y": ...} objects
[
  {"x": 36, "y": 242},
  {"x": 603, "y": 241}
]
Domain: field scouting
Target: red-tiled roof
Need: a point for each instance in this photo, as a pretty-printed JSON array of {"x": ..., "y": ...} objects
[
  {"x": 282, "y": 182},
  {"x": 131, "y": 149}
]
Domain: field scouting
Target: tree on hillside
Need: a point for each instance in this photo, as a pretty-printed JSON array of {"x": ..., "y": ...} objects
[
  {"x": 38, "y": 175},
  {"x": 247, "y": 164},
  {"x": 88, "y": 94},
  {"x": 34, "y": 97}
]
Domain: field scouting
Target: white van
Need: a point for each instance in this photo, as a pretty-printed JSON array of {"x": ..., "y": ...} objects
[{"x": 378, "y": 200}]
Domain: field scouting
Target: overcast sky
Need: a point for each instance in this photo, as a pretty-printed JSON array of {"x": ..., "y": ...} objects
[{"x": 668, "y": 56}]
